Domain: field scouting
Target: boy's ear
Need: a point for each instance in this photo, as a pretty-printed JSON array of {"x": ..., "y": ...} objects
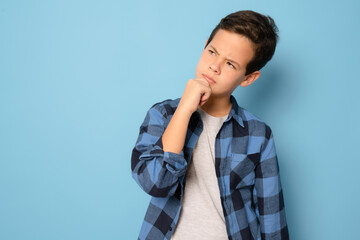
[{"x": 249, "y": 79}]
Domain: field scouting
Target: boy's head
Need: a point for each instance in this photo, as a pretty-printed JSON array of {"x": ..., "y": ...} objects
[
  {"x": 246, "y": 37},
  {"x": 260, "y": 29}
]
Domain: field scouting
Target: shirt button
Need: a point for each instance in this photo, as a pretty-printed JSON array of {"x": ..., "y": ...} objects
[{"x": 170, "y": 228}]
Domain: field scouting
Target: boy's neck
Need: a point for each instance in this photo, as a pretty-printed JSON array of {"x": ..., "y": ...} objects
[{"x": 217, "y": 106}]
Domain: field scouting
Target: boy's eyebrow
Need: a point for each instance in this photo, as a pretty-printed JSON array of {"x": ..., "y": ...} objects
[{"x": 227, "y": 58}]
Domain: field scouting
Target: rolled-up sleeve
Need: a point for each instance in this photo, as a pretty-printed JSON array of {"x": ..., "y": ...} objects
[
  {"x": 270, "y": 208},
  {"x": 156, "y": 171}
]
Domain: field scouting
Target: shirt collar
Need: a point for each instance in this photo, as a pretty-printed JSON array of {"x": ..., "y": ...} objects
[{"x": 235, "y": 112}]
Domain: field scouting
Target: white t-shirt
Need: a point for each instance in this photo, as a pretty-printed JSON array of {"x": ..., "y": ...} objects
[{"x": 201, "y": 216}]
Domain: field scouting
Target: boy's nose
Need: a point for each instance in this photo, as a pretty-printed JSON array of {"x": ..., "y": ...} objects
[{"x": 215, "y": 67}]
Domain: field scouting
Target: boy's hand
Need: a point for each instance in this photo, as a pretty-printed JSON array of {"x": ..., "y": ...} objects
[{"x": 196, "y": 93}]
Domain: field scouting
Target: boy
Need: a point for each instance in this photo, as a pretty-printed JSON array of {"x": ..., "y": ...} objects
[{"x": 209, "y": 164}]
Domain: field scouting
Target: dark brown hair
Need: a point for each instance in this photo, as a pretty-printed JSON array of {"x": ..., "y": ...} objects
[{"x": 260, "y": 29}]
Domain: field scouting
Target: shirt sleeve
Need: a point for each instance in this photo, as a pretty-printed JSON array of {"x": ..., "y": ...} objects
[
  {"x": 270, "y": 208},
  {"x": 156, "y": 171}
]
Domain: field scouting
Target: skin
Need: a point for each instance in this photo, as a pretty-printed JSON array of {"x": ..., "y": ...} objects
[
  {"x": 228, "y": 75},
  {"x": 213, "y": 98}
]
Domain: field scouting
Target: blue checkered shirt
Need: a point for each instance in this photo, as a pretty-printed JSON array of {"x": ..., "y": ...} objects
[{"x": 246, "y": 167}]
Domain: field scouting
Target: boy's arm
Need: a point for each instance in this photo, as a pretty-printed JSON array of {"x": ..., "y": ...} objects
[
  {"x": 157, "y": 170},
  {"x": 270, "y": 208},
  {"x": 173, "y": 139}
]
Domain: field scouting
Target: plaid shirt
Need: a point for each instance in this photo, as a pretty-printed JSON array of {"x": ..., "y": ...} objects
[{"x": 246, "y": 167}]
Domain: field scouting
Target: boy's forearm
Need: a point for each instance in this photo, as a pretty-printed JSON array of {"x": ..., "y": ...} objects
[{"x": 173, "y": 139}]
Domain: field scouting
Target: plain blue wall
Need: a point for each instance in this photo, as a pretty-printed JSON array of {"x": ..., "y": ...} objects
[{"x": 77, "y": 77}]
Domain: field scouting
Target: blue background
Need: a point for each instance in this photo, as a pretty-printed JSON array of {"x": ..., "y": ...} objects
[{"x": 77, "y": 77}]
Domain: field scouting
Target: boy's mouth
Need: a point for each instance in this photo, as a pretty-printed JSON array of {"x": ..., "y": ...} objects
[{"x": 209, "y": 79}]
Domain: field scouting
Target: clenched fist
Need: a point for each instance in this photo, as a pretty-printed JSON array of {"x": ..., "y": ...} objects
[{"x": 196, "y": 93}]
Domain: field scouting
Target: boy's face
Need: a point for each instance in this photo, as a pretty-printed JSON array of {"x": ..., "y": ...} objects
[{"x": 224, "y": 60}]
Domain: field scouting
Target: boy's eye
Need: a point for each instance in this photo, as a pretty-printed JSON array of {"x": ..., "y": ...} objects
[
  {"x": 229, "y": 63},
  {"x": 232, "y": 66}
]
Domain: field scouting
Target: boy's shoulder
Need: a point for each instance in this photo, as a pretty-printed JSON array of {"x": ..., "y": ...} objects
[{"x": 166, "y": 107}]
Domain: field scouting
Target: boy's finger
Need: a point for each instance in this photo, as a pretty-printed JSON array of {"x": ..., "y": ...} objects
[{"x": 205, "y": 96}]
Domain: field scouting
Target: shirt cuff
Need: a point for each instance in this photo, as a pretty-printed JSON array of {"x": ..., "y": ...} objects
[
  {"x": 176, "y": 163},
  {"x": 153, "y": 151}
]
